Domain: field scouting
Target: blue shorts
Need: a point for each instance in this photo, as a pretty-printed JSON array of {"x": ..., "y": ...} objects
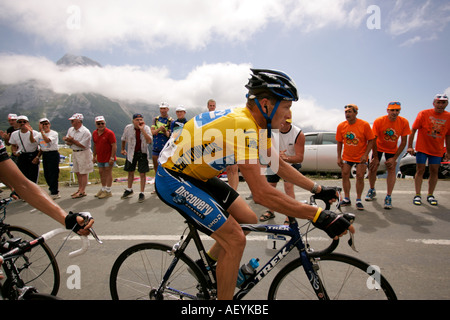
[
  {"x": 421, "y": 158},
  {"x": 103, "y": 164},
  {"x": 203, "y": 203}
]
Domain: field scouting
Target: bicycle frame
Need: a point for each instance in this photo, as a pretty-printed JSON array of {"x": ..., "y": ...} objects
[
  {"x": 293, "y": 231},
  {"x": 296, "y": 241}
]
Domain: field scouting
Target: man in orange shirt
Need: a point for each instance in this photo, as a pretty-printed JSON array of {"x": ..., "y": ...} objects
[
  {"x": 433, "y": 126},
  {"x": 387, "y": 130},
  {"x": 354, "y": 141}
]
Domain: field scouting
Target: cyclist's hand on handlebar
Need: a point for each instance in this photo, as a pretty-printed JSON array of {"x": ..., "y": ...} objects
[
  {"x": 79, "y": 222},
  {"x": 328, "y": 194},
  {"x": 335, "y": 225}
]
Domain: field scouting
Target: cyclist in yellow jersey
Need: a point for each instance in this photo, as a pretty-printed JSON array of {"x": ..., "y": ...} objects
[{"x": 190, "y": 162}]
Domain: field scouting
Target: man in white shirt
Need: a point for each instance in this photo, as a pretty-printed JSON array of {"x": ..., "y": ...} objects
[
  {"x": 79, "y": 139},
  {"x": 24, "y": 145},
  {"x": 48, "y": 143},
  {"x": 136, "y": 137}
]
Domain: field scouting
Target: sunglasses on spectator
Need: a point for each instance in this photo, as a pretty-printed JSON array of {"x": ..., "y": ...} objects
[
  {"x": 100, "y": 123},
  {"x": 22, "y": 121}
]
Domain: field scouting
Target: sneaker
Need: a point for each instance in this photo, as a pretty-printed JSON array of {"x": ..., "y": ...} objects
[
  {"x": 141, "y": 197},
  {"x": 105, "y": 194},
  {"x": 359, "y": 204},
  {"x": 432, "y": 200},
  {"x": 55, "y": 196},
  {"x": 345, "y": 202},
  {"x": 99, "y": 193},
  {"x": 127, "y": 194},
  {"x": 388, "y": 202},
  {"x": 417, "y": 200},
  {"x": 371, "y": 194}
]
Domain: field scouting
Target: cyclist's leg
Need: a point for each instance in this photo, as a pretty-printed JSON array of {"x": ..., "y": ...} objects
[
  {"x": 231, "y": 241},
  {"x": 243, "y": 214}
]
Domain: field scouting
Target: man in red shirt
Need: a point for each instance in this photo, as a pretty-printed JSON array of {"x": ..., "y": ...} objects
[
  {"x": 433, "y": 127},
  {"x": 354, "y": 141},
  {"x": 104, "y": 154},
  {"x": 387, "y": 129}
]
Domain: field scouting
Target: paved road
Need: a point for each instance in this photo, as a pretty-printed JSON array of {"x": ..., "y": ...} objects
[{"x": 411, "y": 244}]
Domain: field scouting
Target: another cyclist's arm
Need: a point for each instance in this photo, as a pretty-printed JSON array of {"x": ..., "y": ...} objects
[{"x": 11, "y": 176}]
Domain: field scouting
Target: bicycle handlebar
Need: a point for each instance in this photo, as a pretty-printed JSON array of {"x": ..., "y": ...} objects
[{"x": 44, "y": 238}]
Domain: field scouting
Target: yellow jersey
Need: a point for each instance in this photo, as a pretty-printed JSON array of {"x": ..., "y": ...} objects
[{"x": 211, "y": 141}]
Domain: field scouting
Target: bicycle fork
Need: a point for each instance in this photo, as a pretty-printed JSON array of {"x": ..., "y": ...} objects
[{"x": 311, "y": 268}]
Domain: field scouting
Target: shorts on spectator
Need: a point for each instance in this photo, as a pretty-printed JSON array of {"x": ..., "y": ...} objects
[
  {"x": 82, "y": 162},
  {"x": 140, "y": 159}
]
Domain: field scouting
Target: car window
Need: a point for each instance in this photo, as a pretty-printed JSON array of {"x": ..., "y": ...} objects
[
  {"x": 310, "y": 139},
  {"x": 329, "y": 138}
]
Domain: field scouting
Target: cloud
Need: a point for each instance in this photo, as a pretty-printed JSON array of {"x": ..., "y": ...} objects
[
  {"x": 152, "y": 25},
  {"x": 308, "y": 114},
  {"x": 223, "y": 82},
  {"x": 422, "y": 19}
]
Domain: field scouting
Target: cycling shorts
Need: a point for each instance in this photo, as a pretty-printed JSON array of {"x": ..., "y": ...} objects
[{"x": 204, "y": 203}]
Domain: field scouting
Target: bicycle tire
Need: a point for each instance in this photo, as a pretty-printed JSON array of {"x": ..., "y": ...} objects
[
  {"x": 343, "y": 277},
  {"x": 138, "y": 271},
  {"x": 38, "y": 267}
]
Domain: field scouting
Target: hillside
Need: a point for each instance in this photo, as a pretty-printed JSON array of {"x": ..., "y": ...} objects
[{"x": 36, "y": 100}]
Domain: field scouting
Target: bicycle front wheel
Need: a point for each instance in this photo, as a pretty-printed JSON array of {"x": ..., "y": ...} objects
[
  {"x": 38, "y": 268},
  {"x": 138, "y": 272},
  {"x": 342, "y": 276}
]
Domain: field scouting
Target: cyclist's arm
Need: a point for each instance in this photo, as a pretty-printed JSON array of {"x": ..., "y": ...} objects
[
  {"x": 11, "y": 176},
  {"x": 266, "y": 195}
]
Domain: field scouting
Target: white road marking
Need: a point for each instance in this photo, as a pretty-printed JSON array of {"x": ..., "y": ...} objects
[
  {"x": 444, "y": 242},
  {"x": 173, "y": 238}
]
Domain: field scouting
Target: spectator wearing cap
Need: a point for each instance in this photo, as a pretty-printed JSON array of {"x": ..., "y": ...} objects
[
  {"x": 433, "y": 144},
  {"x": 354, "y": 141},
  {"x": 181, "y": 119},
  {"x": 24, "y": 146},
  {"x": 79, "y": 139},
  {"x": 388, "y": 130},
  {"x": 48, "y": 147},
  {"x": 104, "y": 154},
  {"x": 160, "y": 131},
  {"x": 136, "y": 138},
  {"x": 12, "y": 120}
]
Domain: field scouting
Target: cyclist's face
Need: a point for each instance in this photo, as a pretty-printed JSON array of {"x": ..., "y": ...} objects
[{"x": 283, "y": 113}]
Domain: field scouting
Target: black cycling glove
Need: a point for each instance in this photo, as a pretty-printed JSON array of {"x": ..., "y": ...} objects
[
  {"x": 333, "y": 224},
  {"x": 327, "y": 193},
  {"x": 71, "y": 220}
]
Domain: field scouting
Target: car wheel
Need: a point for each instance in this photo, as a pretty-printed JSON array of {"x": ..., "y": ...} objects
[{"x": 353, "y": 172}]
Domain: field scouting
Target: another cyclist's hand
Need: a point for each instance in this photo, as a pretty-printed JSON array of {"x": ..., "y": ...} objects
[
  {"x": 79, "y": 222},
  {"x": 333, "y": 224},
  {"x": 328, "y": 194}
]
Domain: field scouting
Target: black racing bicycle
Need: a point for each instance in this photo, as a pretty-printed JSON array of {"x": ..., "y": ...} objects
[
  {"x": 157, "y": 271},
  {"x": 29, "y": 266}
]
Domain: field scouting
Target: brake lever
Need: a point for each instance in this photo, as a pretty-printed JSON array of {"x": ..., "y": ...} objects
[
  {"x": 351, "y": 242},
  {"x": 94, "y": 234}
]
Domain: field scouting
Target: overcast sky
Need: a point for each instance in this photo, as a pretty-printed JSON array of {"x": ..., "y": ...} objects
[{"x": 186, "y": 52}]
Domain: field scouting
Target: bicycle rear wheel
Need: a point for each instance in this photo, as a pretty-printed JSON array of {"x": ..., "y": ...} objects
[
  {"x": 138, "y": 271},
  {"x": 38, "y": 268},
  {"x": 343, "y": 277}
]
